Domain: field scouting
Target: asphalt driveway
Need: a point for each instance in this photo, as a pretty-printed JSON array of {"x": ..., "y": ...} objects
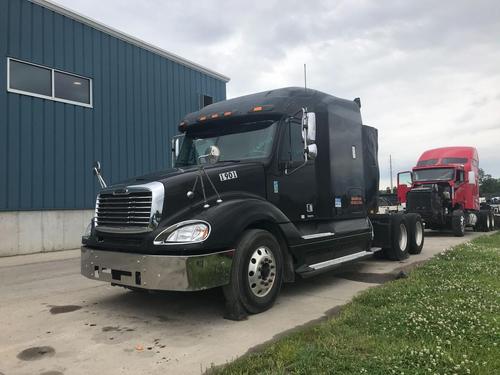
[{"x": 55, "y": 321}]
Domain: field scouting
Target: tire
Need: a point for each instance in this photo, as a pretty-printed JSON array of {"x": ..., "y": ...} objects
[
  {"x": 484, "y": 221},
  {"x": 417, "y": 237},
  {"x": 257, "y": 271},
  {"x": 400, "y": 238},
  {"x": 492, "y": 221},
  {"x": 458, "y": 223}
]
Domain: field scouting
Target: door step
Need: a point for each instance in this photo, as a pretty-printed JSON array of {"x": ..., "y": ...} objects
[
  {"x": 306, "y": 271},
  {"x": 337, "y": 261}
]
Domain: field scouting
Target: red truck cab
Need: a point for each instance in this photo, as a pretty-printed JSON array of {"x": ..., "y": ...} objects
[{"x": 444, "y": 189}]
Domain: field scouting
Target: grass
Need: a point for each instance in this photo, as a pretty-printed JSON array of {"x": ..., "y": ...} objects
[{"x": 443, "y": 319}]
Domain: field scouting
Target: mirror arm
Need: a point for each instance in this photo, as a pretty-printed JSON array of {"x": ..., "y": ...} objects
[
  {"x": 97, "y": 172},
  {"x": 287, "y": 173}
]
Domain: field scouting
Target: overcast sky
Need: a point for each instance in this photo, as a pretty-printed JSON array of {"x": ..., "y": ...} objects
[{"x": 427, "y": 72}]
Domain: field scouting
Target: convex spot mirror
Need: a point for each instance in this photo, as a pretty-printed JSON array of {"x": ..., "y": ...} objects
[
  {"x": 311, "y": 151},
  {"x": 212, "y": 155}
]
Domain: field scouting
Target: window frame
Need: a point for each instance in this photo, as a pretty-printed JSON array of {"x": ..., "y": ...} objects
[
  {"x": 202, "y": 100},
  {"x": 53, "y": 89},
  {"x": 287, "y": 124}
]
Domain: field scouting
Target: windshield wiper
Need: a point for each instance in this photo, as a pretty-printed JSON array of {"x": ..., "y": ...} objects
[{"x": 229, "y": 161}]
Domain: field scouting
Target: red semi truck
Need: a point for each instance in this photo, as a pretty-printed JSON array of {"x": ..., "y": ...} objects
[{"x": 444, "y": 189}]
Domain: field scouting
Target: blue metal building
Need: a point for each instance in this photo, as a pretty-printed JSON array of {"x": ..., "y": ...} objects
[{"x": 73, "y": 91}]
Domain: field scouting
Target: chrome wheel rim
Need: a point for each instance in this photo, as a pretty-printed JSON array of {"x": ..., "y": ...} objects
[
  {"x": 403, "y": 237},
  {"x": 492, "y": 222},
  {"x": 261, "y": 271},
  {"x": 462, "y": 223},
  {"x": 488, "y": 222},
  {"x": 419, "y": 233}
]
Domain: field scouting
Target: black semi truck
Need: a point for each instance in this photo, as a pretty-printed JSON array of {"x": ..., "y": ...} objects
[{"x": 263, "y": 188}]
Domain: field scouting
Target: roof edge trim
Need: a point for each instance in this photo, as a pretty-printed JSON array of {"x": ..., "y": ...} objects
[{"x": 127, "y": 38}]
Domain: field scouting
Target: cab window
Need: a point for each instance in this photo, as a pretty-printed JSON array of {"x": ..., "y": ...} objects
[{"x": 292, "y": 144}]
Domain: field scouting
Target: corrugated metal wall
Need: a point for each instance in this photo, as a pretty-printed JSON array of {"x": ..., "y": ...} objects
[{"x": 47, "y": 148}]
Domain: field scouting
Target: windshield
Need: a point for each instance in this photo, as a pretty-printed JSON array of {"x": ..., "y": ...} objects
[
  {"x": 436, "y": 174},
  {"x": 254, "y": 140}
]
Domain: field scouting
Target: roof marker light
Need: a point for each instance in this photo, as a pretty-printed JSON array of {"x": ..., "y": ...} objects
[
  {"x": 202, "y": 118},
  {"x": 257, "y": 109},
  {"x": 214, "y": 115},
  {"x": 228, "y": 113}
]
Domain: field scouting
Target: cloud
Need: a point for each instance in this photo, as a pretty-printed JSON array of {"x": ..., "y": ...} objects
[{"x": 426, "y": 71}]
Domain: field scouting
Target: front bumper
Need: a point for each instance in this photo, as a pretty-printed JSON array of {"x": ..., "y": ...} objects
[{"x": 157, "y": 272}]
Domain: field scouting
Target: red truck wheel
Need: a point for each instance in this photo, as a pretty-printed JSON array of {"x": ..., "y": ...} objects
[{"x": 458, "y": 223}]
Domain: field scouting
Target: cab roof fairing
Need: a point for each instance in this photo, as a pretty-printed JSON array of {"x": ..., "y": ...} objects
[
  {"x": 276, "y": 104},
  {"x": 470, "y": 153}
]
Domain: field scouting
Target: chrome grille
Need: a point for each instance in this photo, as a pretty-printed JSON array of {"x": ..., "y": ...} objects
[{"x": 132, "y": 209}]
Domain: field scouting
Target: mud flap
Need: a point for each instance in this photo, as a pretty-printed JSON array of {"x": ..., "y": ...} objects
[{"x": 234, "y": 309}]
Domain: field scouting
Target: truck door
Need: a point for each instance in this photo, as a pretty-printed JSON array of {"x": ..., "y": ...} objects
[
  {"x": 405, "y": 180},
  {"x": 293, "y": 188}
]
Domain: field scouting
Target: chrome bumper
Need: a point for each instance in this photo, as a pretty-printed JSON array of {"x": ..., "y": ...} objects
[{"x": 157, "y": 272}]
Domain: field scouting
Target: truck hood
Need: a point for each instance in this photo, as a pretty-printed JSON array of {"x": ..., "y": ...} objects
[{"x": 231, "y": 180}]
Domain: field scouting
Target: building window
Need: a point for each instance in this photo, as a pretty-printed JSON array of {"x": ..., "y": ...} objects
[
  {"x": 30, "y": 78},
  {"x": 42, "y": 82},
  {"x": 72, "y": 88},
  {"x": 205, "y": 100}
]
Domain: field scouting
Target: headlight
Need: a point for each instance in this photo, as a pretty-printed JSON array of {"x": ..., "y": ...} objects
[
  {"x": 185, "y": 232},
  {"x": 88, "y": 231}
]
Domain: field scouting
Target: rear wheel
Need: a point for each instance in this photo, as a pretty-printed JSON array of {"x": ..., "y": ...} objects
[
  {"x": 416, "y": 238},
  {"x": 458, "y": 223},
  {"x": 400, "y": 239},
  {"x": 482, "y": 221},
  {"x": 492, "y": 221},
  {"x": 257, "y": 271}
]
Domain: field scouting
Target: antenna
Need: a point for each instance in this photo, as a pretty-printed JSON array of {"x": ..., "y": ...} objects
[
  {"x": 390, "y": 169},
  {"x": 305, "y": 78}
]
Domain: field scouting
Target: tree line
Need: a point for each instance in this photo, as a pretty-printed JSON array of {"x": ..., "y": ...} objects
[{"x": 488, "y": 185}]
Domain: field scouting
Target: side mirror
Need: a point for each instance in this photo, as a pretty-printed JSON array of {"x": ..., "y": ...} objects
[
  {"x": 309, "y": 134},
  {"x": 176, "y": 147},
  {"x": 97, "y": 172},
  {"x": 309, "y": 126},
  {"x": 472, "y": 178},
  {"x": 97, "y": 168}
]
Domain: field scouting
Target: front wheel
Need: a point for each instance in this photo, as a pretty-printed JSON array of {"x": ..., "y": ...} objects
[
  {"x": 458, "y": 223},
  {"x": 257, "y": 271}
]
